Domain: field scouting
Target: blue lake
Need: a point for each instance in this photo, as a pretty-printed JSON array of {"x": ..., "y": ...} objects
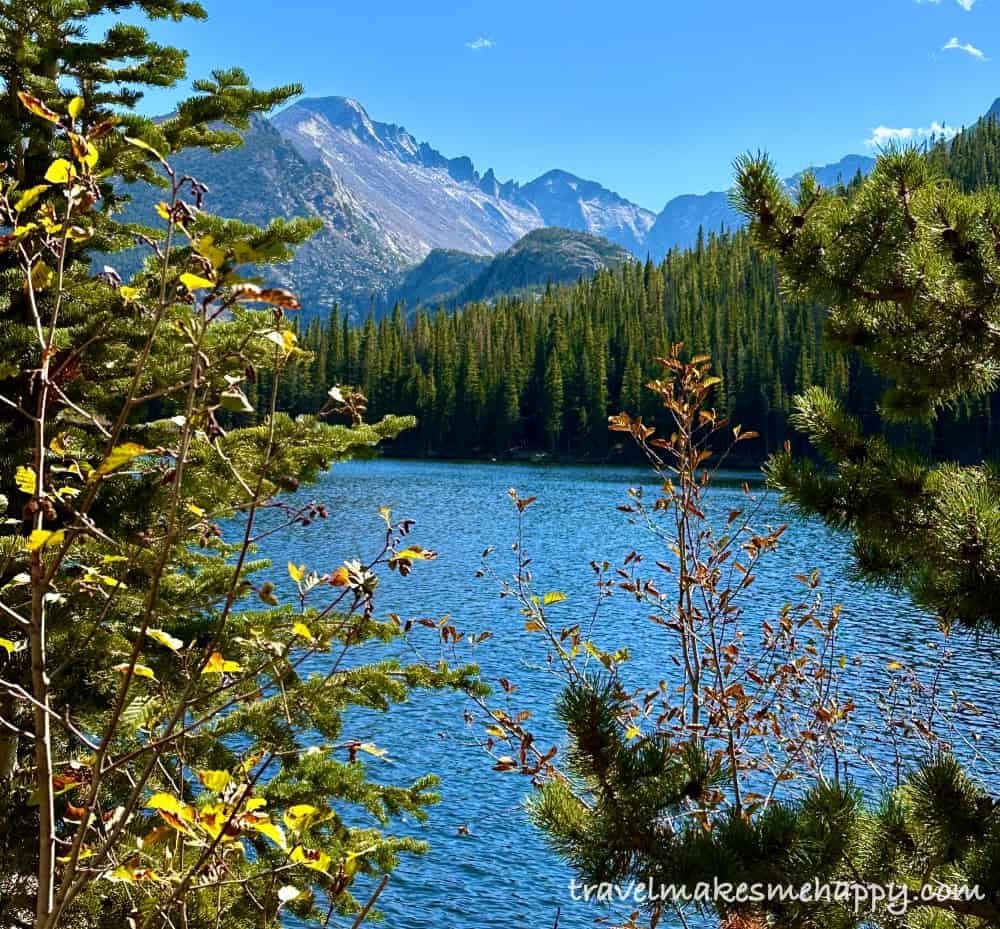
[{"x": 501, "y": 874}]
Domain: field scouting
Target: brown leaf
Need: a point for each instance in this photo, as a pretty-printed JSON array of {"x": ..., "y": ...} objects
[{"x": 37, "y": 107}]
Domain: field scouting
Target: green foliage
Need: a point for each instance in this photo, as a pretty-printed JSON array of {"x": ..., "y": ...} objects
[{"x": 177, "y": 734}]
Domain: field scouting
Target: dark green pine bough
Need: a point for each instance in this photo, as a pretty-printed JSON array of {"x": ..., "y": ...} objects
[{"x": 910, "y": 269}]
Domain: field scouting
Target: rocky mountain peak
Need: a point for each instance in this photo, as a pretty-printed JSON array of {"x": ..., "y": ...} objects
[{"x": 340, "y": 112}]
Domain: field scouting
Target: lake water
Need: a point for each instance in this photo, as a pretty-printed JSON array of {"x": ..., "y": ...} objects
[{"x": 502, "y": 874}]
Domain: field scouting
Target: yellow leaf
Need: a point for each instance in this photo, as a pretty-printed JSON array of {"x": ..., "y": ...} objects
[
  {"x": 214, "y": 780},
  {"x": 85, "y": 852},
  {"x": 196, "y": 282},
  {"x": 592, "y": 650},
  {"x": 41, "y": 275},
  {"x": 8, "y": 646},
  {"x": 894, "y": 666},
  {"x": 341, "y": 577},
  {"x": 218, "y": 665},
  {"x": 372, "y": 749},
  {"x": 168, "y": 802},
  {"x": 128, "y": 294},
  {"x": 25, "y": 480},
  {"x": 40, "y": 538},
  {"x": 78, "y": 234},
  {"x": 30, "y": 196},
  {"x": 285, "y": 339},
  {"x": 120, "y": 455},
  {"x": 163, "y": 209},
  {"x": 196, "y": 510},
  {"x": 299, "y": 816},
  {"x": 301, "y": 629},
  {"x": 206, "y": 247},
  {"x": 91, "y": 156},
  {"x": 165, "y": 639},
  {"x": 133, "y": 873},
  {"x": 122, "y": 874},
  {"x": 176, "y": 813},
  {"x": 60, "y": 172},
  {"x": 632, "y": 732},
  {"x": 274, "y": 833},
  {"x": 416, "y": 553},
  {"x": 311, "y": 858},
  {"x": 145, "y": 146},
  {"x": 296, "y": 572},
  {"x": 75, "y": 107},
  {"x": 140, "y": 670},
  {"x": 553, "y": 597}
]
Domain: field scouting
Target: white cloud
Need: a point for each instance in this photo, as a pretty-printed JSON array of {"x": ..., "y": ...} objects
[
  {"x": 479, "y": 43},
  {"x": 966, "y": 5},
  {"x": 966, "y": 47},
  {"x": 883, "y": 135}
]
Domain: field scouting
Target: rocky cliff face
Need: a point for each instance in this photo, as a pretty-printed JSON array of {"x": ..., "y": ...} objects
[
  {"x": 415, "y": 197},
  {"x": 346, "y": 261}
]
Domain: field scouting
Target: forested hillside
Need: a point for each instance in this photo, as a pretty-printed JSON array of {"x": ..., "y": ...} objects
[{"x": 544, "y": 373}]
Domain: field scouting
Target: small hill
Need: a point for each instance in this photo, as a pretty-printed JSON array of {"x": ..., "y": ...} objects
[
  {"x": 542, "y": 257},
  {"x": 439, "y": 277}
]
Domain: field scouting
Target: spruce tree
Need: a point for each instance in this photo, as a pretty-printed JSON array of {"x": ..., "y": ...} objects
[{"x": 166, "y": 755}]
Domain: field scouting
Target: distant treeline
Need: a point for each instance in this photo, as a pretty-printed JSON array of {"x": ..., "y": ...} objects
[{"x": 543, "y": 373}]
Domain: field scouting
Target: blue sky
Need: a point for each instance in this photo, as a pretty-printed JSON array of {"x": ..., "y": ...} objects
[{"x": 651, "y": 99}]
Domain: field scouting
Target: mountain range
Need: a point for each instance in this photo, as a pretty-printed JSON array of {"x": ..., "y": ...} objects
[{"x": 389, "y": 202}]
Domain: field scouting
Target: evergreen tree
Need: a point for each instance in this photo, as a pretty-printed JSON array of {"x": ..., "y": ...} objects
[
  {"x": 165, "y": 756},
  {"x": 553, "y": 410}
]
